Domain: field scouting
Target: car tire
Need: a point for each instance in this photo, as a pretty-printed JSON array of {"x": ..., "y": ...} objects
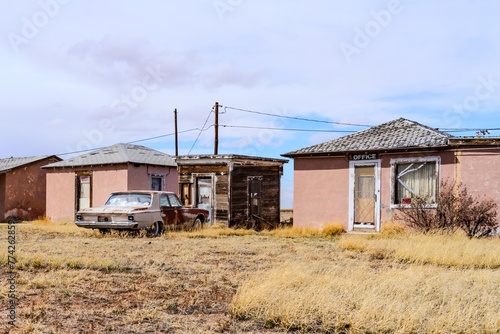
[
  {"x": 154, "y": 230},
  {"x": 197, "y": 224}
]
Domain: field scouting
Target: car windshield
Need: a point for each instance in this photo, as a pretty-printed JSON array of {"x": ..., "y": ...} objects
[{"x": 129, "y": 199}]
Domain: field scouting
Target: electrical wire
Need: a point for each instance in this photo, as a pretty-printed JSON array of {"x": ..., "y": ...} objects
[
  {"x": 283, "y": 129},
  {"x": 295, "y": 118},
  {"x": 202, "y": 129},
  {"x": 130, "y": 142}
]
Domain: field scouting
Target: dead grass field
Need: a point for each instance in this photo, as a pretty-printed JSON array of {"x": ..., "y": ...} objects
[{"x": 218, "y": 280}]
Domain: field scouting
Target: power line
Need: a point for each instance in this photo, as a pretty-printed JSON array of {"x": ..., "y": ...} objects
[
  {"x": 201, "y": 130},
  {"x": 467, "y": 129},
  {"x": 283, "y": 129},
  {"x": 295, "y": 118},
  {"x": 130, "y": 142}
]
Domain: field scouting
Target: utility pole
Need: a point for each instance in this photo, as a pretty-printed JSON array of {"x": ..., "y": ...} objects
[
  {"x": 176, "y": 139},
  {"x": 216, "y": 129}
]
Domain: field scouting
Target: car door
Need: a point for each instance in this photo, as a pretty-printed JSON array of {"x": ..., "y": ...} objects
[
  {"x": 181, "y": 214},
  {"x": 168, "y": 211}
]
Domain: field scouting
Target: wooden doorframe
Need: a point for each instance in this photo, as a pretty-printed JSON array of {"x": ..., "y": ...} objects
[{"x": 352, "y": 166}]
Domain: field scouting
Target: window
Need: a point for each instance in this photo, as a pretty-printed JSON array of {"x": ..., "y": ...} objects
[
  {"x": 157, "y": 182},
  {"x": 414, "y": 178},
  {"x": 164, "y": 200},
  {"x": 254, "y": 195},
  {"x": 174, "y": 201}
]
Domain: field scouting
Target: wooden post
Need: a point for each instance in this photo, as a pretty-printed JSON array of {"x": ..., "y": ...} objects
[
  {"x": 216, "y": 129},
  {"x": 176, "y": 138}
]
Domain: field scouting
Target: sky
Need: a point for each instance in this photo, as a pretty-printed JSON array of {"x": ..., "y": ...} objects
[{"x": 81, "y": 75}]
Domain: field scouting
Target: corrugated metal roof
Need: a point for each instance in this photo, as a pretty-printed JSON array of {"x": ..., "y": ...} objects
[
  {"x": 11, "y": 163},
  {"x": 397, "y": 134},
  {"x": 117, "y": 154}
]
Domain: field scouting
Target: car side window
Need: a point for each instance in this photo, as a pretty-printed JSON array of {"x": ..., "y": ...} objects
[
  {"x": 164, "y": 200},
  {"x": 174, "y": 200}
]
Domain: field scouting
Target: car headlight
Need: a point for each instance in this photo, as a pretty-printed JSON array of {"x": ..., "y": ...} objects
[
  {"x": 79, "y": 217},
  {"x": 131, "y": 218}
]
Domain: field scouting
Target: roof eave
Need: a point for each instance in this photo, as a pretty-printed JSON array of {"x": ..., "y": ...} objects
[{"x": 379, "y": 150}]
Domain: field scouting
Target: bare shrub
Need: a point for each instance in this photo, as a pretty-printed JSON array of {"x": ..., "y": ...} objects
[{"x": 456, "y": 209}]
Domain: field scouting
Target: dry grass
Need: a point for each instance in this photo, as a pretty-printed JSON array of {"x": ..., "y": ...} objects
[
  {"x": 72, "y": 280},
  {"x": 331, "y": 230},
  {"x": 358, "y": 297}
]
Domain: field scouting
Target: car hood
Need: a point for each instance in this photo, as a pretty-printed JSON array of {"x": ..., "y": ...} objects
[{"x": 113, "y": 209}]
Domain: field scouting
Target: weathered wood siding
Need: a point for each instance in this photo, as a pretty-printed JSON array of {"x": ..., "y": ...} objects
[
  {"x": 221, "y": 184},
  {"x": 270, "y": 193},
  {"x": 221, "y": 198}
]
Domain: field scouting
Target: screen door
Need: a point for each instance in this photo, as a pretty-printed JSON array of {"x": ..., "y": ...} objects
[{"x": 364, "y": 196}]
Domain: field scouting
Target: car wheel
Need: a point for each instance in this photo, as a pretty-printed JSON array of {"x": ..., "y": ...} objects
[
  {"x": 198, "y": 224},
  {"x": 154, "y": 230}
]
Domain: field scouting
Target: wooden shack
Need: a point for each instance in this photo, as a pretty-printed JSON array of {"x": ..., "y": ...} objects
[{"x": 239, "y": 191}]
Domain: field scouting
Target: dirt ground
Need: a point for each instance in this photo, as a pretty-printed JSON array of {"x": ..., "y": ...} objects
[{"x": 83, "y": 283}]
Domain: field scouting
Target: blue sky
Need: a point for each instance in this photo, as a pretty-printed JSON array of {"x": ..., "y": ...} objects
[{"x": 78, "y": 75}]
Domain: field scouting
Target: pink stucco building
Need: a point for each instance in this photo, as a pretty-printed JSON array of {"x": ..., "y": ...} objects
[
  {"x": 88, "y": 179},
  {"x": 361, "y": 179},
  {"x": 22, "y": 187}
]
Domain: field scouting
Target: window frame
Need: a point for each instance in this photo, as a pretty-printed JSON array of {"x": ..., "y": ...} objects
[
  {"x": 161, "y": 177},
  {"x": 396, "y": 161}
]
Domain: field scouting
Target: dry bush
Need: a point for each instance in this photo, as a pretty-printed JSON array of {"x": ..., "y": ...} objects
[{"x": 456, "y": 209}]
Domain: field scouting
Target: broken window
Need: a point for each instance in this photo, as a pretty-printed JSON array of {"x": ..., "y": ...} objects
[
  {"x": 415, "y": 179},
  {"x": 254, "y": 195}
]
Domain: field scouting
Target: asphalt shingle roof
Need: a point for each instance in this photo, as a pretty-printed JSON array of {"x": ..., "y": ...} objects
[
  {"x": 397, "y": 134},
  {"x": 119, "y": 153},
  {"x": 8, "y": 164}
]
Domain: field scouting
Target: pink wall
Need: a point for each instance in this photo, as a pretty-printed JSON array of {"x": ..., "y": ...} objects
[
  {"x": 321, "y": 187},
  {"x": 480, "y": 172},
  {"x": 60, "y": 195},
  {"x": 446, "y": 171},
  {"x": 321, "y": 191},
  {"x": 61, "y": 191},
  {"x": 139, "y": 177},
  {"x": 105, "y": 180},
  {"x": 2, "y": 196},
  {"x": 24, "y": 191}
]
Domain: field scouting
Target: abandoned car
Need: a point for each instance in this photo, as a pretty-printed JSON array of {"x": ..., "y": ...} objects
[{"x": 152, "y": 211}]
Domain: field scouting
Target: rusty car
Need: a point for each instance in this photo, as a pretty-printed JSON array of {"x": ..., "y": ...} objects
[{"x": 151, "y": 211}]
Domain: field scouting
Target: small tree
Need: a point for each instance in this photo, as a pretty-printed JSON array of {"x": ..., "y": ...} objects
[{"x": 455, "y": 209}]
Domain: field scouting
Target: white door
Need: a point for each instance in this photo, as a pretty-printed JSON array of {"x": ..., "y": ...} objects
[{"x": 364, "y": 197}]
